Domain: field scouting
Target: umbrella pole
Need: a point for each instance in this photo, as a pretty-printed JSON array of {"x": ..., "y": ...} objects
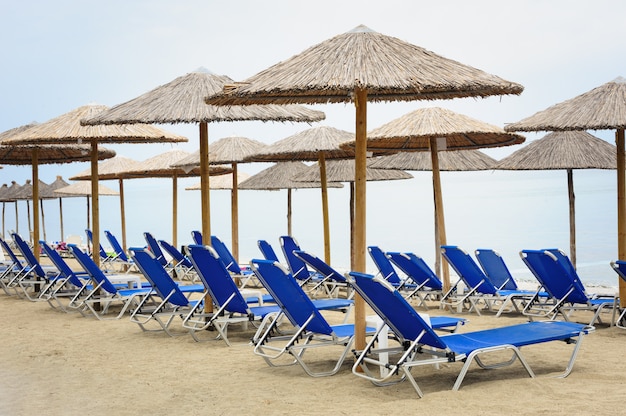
[
  {"x": 43, "y": 220},
  {"x": 289, "y": 212},
  {"x": 621, "y": 208},
  {"x": 439, "y": 211},
  {"x": 324, "y": 187},
  {"x": 123, "y": 215},
  {"x": 30, "y": 226},
  {"x": 17, "y": 230},
  {"x": 360, "y": 160},
  {"x": 234, "y": 213},
  {"x": 61, "y": 218},
  {"x": 95, "y": 202},
  {"x": 88, "y": 221},
  {"x": 35, "y": 163},
  {"x": 175, "y": 210},
  {"x": 205, "y": 197},
  {"x": 4, "y": 206},
  {"x": 572, "y": 216},
  {"x": 351, "y": 225}
]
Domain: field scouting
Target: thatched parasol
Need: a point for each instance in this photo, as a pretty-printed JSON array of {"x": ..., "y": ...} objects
[
  {"x": 343, "y": 171},
  {"x": 233, "y": 150},
  {"x": 4, "y": 193},
  {"x": 222, "y": 182},
  {"x": 564, "y": 150},
  {"x": 85, "y": 189},
  {"x": 314, "y": 144},
  {"x": 26, "y": 194},
  {"x": 111, "y": 169},
  {"x": 431, "y": 129},
  {"x": 460, "y": 160},
  {"x": 361, "y": 66},
  {"x": 281, "y": 176},
  {"x": 602, "y": 108},
  {"x": 66, "y": 129},
  {"x": 57, "y": 184},
  {"x": 11, "y": 196}
]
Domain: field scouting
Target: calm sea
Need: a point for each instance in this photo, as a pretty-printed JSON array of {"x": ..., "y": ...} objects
[{"x": 506, "y": 211}]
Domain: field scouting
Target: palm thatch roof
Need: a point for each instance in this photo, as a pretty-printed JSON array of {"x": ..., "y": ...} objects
[
  {"x": 114, "y": 168},
  {"x": 83, "y": 188},
  {"x": 48, "y": 192},
  {"x": 343, "y": 171},
  {"x": 182, "y": 101},
  {"x": 413, "y": 131},
  {"x": 66, "y": 128},
  {"x": 222, "y": 181},
  {"x": 602, "y": 108},
  {"x": 163, "y": 166},
  {"x": 460, "y": 160},
  {"x": 50, "y": 153},
  {"x": 388, "y": 68},
  {"x": 281, "y": 176},
  {"x": 13, "y": 191},
  {"x": 26, "y": 191},
  {"x": 4, "y": 192},
  {"x": 562, "y": 150},
  {"x": 226, "y": 150}
]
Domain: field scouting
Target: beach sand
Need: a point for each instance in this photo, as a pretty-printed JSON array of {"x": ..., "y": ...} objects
[{"x": 65, "y": 364}]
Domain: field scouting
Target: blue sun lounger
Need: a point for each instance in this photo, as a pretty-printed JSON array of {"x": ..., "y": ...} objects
[
  {"x": 620, "y": 268},
  {"x": 297, "y": 267},
  {"x": 267, "y": 250},
  {"x": 183, "y": 269},
  {"x": 558, "y": 277},
  {"x": 105, "y": 259},
  {"x": 331, "y": 280},
  {"x": 12, "y": 270},
  {"x": 120, "y": 258},
  {"x": 495, "y": 269},
  {"x": 419, "y": 344},
  {"x": 427, "y": 284},
  {"x": 479, "y": 287},
  {"x": 155, "y": 248},
  {"x": 35, "y": 277},
  {"x": 240, "y": 273},
  {"x": 196, "y": 236}
]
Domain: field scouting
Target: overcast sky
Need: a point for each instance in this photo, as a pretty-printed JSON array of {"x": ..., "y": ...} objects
[{"x": 62, "y": 54}]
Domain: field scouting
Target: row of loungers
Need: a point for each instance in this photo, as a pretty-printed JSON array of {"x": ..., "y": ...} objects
[{"x": 288, "y": 321}]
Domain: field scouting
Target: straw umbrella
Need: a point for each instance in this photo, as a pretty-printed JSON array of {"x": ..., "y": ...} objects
[
  {"x": 164, "y": 166},
  {"x": 460, "y": 160},
  {"x": 111, "y": 169},
  {"x": 361, "y": 66},
  {"x": 314, "y": 144},
  {"x": 433, "y": 129},
  {"x": 66, "y": 129},
  {"x": 281, "y": 176},
  {"x": 4, "y": 193},
  {"x": 221, "y": 182},
  {"x": 343, "y": 171},
  {"x": 11, "y": 195},
  {"x": 233, "y": 150},
  {"x": 602, "y": 108},
  {"x": 567, "y": 150},
  {"x": 85, "y": 189},
  {"x": 26, "y": 194}
]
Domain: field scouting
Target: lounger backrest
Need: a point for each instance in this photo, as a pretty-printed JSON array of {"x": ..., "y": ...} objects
[
  {"x": 620, "y": 268},
  {"x": 552, "y": 275},
  {"x": 495, "y": 268},
  {"x": 103, "y": 253},
  {"x": 119, "y": 251},
  {"x": 60, "y": 264},
  {"x": 216, "y": 278},
  {"x": 158, "y": 277},
  {"x": 28, "y": 255},
  {"x": 267, "y": 250},
  {"x": 394, "y": 310},
  {"x": 225, "y": 255},
  {"x": 468, "y": 270},
  {"x": 384, "y": 265},
  {"x": 90, "y": 267},
  {"x": 11, "y": 253},
  {"x": 415, "y": 267},
  {"x": 569, "y": 267},
  {"x": 290, "y": 297},
  {"x": 175, "y": 253},
  {"x": 155, "y": 248},
  {"x": 297, "y": 267},
  {"x": 196, "y": 236},
  {"x": 320, "y": 266}
]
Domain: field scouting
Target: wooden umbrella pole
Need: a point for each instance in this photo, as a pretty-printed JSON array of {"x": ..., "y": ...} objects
[
  {"x": 17, "y": 230},
  {"x": 289, "y": 211},
  {"x": 621, "y": 208},
  {"x": 234, "y": 214},
  {"x": 324, "y": 188},
  {"x": 175, "y": 211},
  {"x": 35, "y": 166},
  {"x": 4, "y": 206},
  {"x": 205, "y": 197},
  {"x": 352, "y": 226},
  {"x": 88, "y": 219},
  {"x": 43, "y": 220},
  {"x": 123, "y": 215},
  {"x": 360, "y": 181},
  {"x": 95, "y": 215},
  {"x": 61, "y": 218},
  {"x": 30, "y": 226},
  {"x": 439, "y": 211},
  {"x": 572, "y": 216}
]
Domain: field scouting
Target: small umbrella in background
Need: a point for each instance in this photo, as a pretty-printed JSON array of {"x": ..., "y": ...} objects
[
  {"x": 567, "y": 150},
  {"x": 356, "y": 67},
  {"x": 343, "y": 171},
  {"x": 111, "y": 169},
  {"x": 57, "y": 184},
  {"x": 26, "y": 194},
  {"x": 164, "y": 166},
  {"x": 437, "y": 129},
  {"x": 83, "y": 188},
  {"x": 233, "y": 150},
  {"x": 460, "y": 160},
  {"x": 314, "y": 144},
  {"x": 11, "y": 195},
  {"x": 4, "y": 193},
  {"x": 280, "y": 176},
  {"x": 602, "y": 108},
  {"x": 66, "y": 129}
]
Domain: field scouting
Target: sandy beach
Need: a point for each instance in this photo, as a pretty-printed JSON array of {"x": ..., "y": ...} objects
[{"x": 57, "y": 363}]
